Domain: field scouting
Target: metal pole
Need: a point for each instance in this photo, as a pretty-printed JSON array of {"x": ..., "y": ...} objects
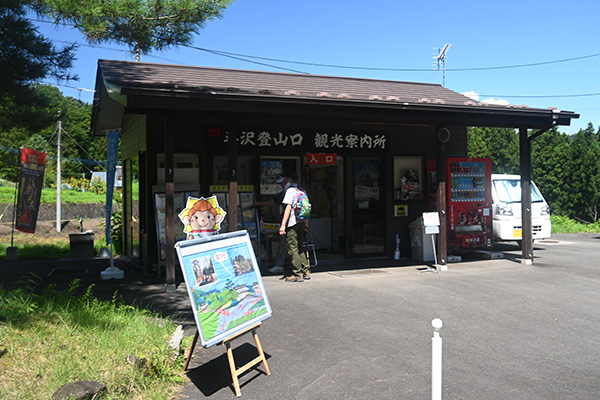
[
  {"x": 58, "y": 178},
  {"x": 436, "y": 360}
]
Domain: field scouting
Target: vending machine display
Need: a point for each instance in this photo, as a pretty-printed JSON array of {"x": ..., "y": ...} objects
[{"x": 469, "y": 204}]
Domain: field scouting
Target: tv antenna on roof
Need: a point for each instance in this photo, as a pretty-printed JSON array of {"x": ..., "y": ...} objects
[{"x": 441, "y": 59}]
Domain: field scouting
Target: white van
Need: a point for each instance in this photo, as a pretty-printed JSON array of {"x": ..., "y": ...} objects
[{"x": 506, "y": 209}]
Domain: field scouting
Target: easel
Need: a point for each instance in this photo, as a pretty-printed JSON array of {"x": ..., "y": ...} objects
[{"x": 235, "y": 372}]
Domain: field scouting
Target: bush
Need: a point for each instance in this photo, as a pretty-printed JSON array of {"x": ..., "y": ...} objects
[{"x": 567, "y": 225}]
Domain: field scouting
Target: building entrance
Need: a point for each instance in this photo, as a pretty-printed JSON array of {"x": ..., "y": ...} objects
[{"x": 365, "y": 207}]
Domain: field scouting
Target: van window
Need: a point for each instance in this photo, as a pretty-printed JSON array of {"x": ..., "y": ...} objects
[{"x": 509, "y": 191}]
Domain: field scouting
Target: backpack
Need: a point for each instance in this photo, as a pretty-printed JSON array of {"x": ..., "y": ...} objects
[{"x": 302, "y": 206}]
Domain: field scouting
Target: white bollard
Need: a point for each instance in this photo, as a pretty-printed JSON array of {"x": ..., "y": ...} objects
[{"x": 436, "y": 360}]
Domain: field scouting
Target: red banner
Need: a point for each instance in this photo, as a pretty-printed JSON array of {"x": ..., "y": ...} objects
[
  {"x": 31, "y": 179},
  {"x": 321, "y": 158}
]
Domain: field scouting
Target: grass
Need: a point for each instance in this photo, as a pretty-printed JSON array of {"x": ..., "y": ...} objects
[
  {"x": 568, "y": 225},
  {"x": 51, "y": 339},
  {"x": 31, "y": 247},
  {"x": 67, "y": 196},
  {"x": 7, "y": 195}
]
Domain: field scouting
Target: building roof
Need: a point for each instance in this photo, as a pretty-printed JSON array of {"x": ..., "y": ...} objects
[{"x": 121, "y": 80}]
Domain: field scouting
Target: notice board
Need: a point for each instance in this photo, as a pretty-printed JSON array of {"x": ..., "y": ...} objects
[{"x": 224, "y": 284}]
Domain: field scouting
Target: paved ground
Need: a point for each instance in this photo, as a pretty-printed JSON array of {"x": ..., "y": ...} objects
[{"x": 511, "y": 331}]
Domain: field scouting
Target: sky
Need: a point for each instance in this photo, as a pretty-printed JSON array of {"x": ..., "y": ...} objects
[{"x": 528, "y": 52}]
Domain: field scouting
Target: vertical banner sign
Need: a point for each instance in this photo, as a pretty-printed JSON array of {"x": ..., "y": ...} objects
[
  {"x": 31, "y": 179},
  {"x": 112, "y": 145}
]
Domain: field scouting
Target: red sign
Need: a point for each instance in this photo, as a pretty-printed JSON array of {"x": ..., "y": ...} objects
[
  {"x": 31, "y": 179},
  {"x": 321, "y": 158},
  {"x": 330, "y": 158},
  {"x": 314, "y": 158},
  {"x": 214, "y": 132}
]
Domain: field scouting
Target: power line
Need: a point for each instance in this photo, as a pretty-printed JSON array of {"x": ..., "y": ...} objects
[
  {"x": 541, "y": 97},
  {"x": 241, "y": 57},
  {"x": 225, "y": 53},
  {"x": 248, "y": 58}
]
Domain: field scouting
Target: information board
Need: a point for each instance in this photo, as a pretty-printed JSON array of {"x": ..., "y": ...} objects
[{"x": 224, "y": 284}]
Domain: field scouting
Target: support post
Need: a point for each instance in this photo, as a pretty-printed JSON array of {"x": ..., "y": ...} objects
[
  {"x": 232, "y": 208},
  {"x": 169, "y": 204},
  {"x": 526, "y": 226},
  {"x": 442, "y": 244},
  {"x": 436, "y": 360},
  {"x": 58, "y": 176}
]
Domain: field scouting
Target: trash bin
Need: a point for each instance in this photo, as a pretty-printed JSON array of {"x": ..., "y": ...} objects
[
  {"x": 421, "y": 245},
  {"x": 82, "y": 244}
]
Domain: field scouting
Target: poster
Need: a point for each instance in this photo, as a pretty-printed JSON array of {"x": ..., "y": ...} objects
[
  {"x": 411, "y": 184},
  {"x": 160, "y": 214},
  {"x": 224, "y": 285},
  {"x": 31, "y": 179},
  {"x": 270, "y": 171},
  {"x": 366, "y": 181}
]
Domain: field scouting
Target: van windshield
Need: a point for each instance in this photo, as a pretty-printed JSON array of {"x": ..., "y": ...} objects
[{"x": 509, "y": 191}]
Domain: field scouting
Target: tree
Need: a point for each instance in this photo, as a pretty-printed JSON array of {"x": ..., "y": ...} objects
[
  {"x": 549, "y": 155},
  {"x": 143, "y": 25},
  {"x": 25, "y": 57},
  {"x": 78, "y": 147},
  {"x": 583, "y": 178},
  {"x": 500, "y": 144}
]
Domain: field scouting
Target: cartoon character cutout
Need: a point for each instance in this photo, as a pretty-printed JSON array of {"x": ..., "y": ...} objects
[{"x": 201, "y": 217}]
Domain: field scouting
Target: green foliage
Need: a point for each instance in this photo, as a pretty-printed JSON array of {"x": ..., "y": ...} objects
[
  {"x": 64, "y": 336},
  {"x": 35, "y": 251},
  {"x": 144, "y": 25},
  {"x": 501, "y": 144},
  {"x": 568, "y": 225},
  {"x": 565, "y": 168},
  {"x": 26, "y": 57}
]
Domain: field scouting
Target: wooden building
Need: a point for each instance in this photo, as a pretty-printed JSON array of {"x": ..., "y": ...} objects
[{"x": 350, "y": 140}]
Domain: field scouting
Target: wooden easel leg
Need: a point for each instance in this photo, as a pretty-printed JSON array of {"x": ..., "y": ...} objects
[
  {"x": 260, "y": 352},
  {"x": 189, "y": 356},
  {"x": 234, "y": 371}
]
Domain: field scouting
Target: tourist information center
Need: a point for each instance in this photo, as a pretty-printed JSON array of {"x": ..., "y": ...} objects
[{"x": 370, "y": 153}]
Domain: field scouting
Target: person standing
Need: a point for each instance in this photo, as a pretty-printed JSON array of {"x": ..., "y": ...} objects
[
  {"x": 279, "y": 267},
  {"x": 294, "y": 232}
]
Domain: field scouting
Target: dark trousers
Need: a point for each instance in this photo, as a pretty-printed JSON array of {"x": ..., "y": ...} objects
[{"x": 295, "y": 240}]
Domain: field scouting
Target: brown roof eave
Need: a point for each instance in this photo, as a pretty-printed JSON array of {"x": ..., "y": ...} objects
[{"x": 479, "y": 115}]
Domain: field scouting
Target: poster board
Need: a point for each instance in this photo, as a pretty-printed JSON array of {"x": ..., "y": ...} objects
[{"x": 224, "y": 284}]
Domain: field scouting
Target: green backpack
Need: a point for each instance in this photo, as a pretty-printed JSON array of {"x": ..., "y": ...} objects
[{"x": 302, "y": 206}]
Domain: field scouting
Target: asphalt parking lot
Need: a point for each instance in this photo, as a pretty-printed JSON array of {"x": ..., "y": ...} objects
[{"x": 511, "y": 331}]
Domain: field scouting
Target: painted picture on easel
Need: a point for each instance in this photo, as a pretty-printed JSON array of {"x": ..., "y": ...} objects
[{"x": 224, "y": 285}]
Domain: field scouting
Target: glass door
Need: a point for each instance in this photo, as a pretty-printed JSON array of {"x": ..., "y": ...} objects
[
  {"x": 365, "y": 210},
  {"x": 131, "y": 212}
]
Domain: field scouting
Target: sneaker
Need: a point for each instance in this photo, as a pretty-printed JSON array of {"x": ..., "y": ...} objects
[
  {"x": 307, "y": 277},
  {"x": 294, "y": 278},
  {"x": 276, "y": 270}
]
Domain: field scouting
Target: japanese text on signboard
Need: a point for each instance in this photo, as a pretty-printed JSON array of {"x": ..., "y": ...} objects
[{"x": 321, "y": 140}]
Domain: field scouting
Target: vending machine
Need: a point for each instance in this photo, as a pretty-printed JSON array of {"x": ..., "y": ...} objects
[{"x": 469, "y": 208}]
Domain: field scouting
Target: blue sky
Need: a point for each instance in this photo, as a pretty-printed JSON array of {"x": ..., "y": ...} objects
[{"x": 399, "y": 34}]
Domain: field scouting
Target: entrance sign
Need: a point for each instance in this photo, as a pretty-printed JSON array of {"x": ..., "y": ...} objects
[
  {"x": 321, "y": 158},
  {"x": 224, "y": 284}
]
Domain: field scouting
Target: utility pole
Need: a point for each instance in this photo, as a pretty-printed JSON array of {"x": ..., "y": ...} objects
[{"x": 58, "y": 178}]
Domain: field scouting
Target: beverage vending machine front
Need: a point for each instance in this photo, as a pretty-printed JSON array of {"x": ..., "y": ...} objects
[{"x": 469, "y": 208}]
